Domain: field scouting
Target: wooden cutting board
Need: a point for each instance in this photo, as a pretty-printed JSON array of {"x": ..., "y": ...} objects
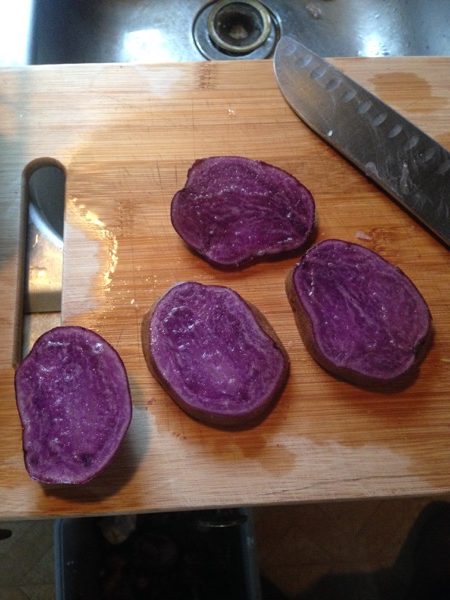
[{"x": 126, "y": 135}]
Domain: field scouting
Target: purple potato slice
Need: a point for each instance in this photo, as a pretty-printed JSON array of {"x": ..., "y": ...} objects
[
  {"x": 215, "y": 354},
  {"x": 234, "y": 211},
  {"x": 74, "y": 403},
  {"x": 360, "y": 317}
]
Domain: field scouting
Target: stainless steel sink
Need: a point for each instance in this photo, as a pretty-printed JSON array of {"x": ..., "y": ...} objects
[{"x": 75, "y": 31}]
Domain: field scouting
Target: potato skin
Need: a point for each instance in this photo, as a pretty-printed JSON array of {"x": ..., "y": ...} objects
[{"x": 224, "y": 421}]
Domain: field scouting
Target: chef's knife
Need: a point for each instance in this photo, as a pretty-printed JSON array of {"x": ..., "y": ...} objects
[{"x": 399, "y": 157}]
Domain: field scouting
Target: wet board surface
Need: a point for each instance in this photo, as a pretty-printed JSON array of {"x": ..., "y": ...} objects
[{"x": 126, "y": 135}]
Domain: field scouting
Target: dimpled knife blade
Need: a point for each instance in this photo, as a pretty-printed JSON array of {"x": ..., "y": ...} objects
[{"x": 403, "y": 160}]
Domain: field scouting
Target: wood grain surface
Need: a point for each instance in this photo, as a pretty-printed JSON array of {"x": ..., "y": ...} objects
[{"x": 126, "y": 135}]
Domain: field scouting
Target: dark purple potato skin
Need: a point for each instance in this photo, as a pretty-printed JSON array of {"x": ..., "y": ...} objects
[
  {"x": 360, "y": 317},
  {"x": 215, "y": 354},
  {"x": 235, "y": 211},
  {"x": 74, "y": 403}
]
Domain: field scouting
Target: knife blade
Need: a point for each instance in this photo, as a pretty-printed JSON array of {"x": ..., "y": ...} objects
[{"x": 403, "y": 160}]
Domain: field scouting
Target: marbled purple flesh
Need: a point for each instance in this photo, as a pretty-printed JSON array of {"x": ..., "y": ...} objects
[
  {"x": 363, "y": 317},
  {"x": 214, "y": 354},
  {"x": 234, "y": 211},
  {"x": 74, "y": 403}
]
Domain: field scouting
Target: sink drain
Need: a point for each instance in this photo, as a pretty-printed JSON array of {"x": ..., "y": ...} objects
[{"x": 235, "y": 30}]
